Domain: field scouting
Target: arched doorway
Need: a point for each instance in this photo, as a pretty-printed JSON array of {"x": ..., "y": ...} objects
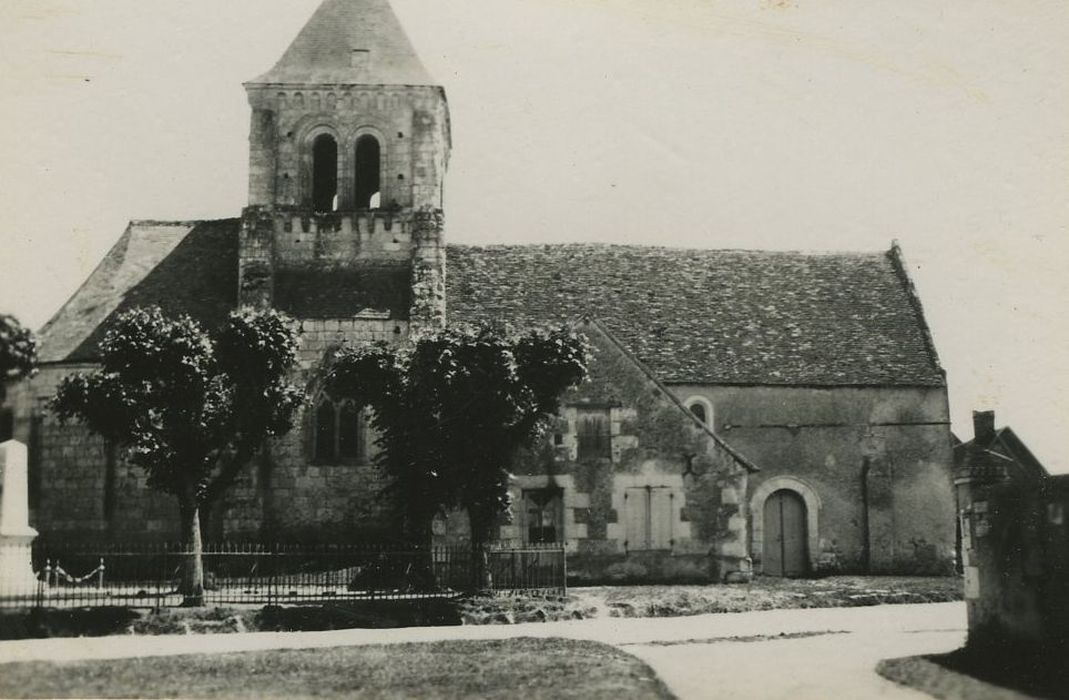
[{"x": 785, "y": 535}]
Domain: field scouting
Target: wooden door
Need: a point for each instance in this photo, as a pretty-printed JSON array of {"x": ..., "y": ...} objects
[{"x": 785, "y": 546}]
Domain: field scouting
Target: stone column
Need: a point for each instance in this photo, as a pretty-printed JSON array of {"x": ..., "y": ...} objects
[{"x": 16, "y": 535}]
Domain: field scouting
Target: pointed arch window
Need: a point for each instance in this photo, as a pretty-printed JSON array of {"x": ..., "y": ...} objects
[
  {"x": 368, "y": 173},
  {"x": 339, "y": 433},
  {"x": 324, "y": 173}
]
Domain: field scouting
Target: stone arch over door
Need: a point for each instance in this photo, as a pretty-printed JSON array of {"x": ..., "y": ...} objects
[{"x": 812, "y": 516}]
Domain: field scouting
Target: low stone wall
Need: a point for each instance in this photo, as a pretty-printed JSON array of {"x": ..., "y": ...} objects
[{"x": 1015, "y": 544}]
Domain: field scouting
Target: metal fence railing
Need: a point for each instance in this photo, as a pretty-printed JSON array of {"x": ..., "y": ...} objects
[{"x": 151, "y": 575}]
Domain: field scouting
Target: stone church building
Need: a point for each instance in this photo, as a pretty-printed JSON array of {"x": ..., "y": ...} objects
[{"x": 781, "y": 413}]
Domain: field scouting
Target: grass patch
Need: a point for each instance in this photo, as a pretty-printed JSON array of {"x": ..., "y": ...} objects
[
  {"x": 530, "y": 668},
  {"x": 104, "y": 621},
  {"x": 1038, "y": 672}
]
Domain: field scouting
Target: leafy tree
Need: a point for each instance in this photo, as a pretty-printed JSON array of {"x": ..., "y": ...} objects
[
  {"x": 18, "y": 352},
  {"x": 191, "y": 408},
  {"x": 453, "y": 407}
]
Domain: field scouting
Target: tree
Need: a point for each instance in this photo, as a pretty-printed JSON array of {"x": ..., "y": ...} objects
[
  {"x": 453, "y": 407},
  {"x": 189, "y": 407},
  {"x": 18, "y": 352}
]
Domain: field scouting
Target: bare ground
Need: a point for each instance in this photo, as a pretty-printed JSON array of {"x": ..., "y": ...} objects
[{"x": 764, "y": 593}]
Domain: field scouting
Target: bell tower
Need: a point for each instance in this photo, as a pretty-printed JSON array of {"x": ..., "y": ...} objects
[{"x": 348, "y": 151}]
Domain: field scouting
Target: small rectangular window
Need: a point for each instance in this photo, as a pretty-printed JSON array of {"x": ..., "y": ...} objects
[
  {"x": 543, "y": 515},
  {"x": 594, "y": 433}
]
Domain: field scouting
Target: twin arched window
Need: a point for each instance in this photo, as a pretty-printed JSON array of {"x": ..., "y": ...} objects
[
  {"x": 327, "y": 175},
  {"x": 339, "y": 433}
]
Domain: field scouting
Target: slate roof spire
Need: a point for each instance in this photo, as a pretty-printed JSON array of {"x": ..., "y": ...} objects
[{"x": 350, "y": 42}]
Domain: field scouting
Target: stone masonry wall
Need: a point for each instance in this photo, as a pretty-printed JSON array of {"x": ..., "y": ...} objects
[
  {"x": 655, "y": 444},
  {"x": 80, "y": 491},
  {"x": 876, "y": 463},
  {"x": 411, "y": 124},
  {"x": 1015, "y": 547}
]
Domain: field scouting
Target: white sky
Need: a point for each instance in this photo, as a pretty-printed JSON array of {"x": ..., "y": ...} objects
[{"x": 775, "y": 125}]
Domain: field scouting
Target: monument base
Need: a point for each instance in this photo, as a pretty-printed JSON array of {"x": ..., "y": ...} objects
[{"x": 16, "y": 565}]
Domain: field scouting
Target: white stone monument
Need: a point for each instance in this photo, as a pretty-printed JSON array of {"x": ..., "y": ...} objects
[{"x": 16, "y": 535}]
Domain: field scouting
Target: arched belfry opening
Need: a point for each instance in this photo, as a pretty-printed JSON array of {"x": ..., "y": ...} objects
[
  {"x": 368, "y": 174},
  {"x": 324, "y": 173}
]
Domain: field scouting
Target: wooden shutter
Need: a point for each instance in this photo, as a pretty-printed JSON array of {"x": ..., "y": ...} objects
[
  {"x": 636, "y": 518},
  {"x": 661, "y": 534},
  {"x": 594, "y": 429}
]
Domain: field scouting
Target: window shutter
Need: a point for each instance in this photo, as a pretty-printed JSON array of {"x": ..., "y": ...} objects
[
  {"x": 594, "y": 429},
  {"x": 661, "y": 502},
  {"x": 635, "y": 522}
]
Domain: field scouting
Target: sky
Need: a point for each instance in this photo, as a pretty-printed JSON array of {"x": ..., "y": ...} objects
[{"x": 758, "y": 124}]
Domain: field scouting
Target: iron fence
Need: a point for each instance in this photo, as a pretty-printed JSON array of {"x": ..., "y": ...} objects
[{"x": 50, "y": 574}]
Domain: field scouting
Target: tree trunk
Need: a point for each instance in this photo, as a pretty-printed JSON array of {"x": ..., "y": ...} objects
[
  {"x": 481, "y": 525},
  {"x": 192, "y": 584},
  {"x": 422, "y": 536}
]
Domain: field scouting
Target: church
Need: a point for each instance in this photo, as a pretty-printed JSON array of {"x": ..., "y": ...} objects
[{"x": 747, "y": 412}]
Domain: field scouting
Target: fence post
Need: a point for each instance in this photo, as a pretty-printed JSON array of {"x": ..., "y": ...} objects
[
  {"x": 272, "y": 577},
  {"x": 564, "y": 568},
  {"x": 161, "y": 577},
  {"x": 40, "y": 600},
  {"x": 100, "y": 575}
]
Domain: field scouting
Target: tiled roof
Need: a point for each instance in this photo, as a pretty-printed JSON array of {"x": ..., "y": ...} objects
[
  {"x": 187, "y": 267},
  {"x": 714, "y": 316},
  {"x": 331, "y": 47},
  {"x": 690, "y": 316},
  {"x": 1002, "y": 454}
]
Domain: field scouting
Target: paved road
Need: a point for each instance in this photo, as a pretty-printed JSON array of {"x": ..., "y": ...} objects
[
  {"x": 822, "y": 654},
  {"x": 833, "y": 666}
]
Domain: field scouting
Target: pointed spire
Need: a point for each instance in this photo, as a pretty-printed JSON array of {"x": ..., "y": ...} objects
[{"x": 350, "y": 42}]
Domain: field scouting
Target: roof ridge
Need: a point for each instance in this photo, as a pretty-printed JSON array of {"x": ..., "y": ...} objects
[
  {"x": 180, "y": 222},
  {"x": 646, "y": 247}
]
